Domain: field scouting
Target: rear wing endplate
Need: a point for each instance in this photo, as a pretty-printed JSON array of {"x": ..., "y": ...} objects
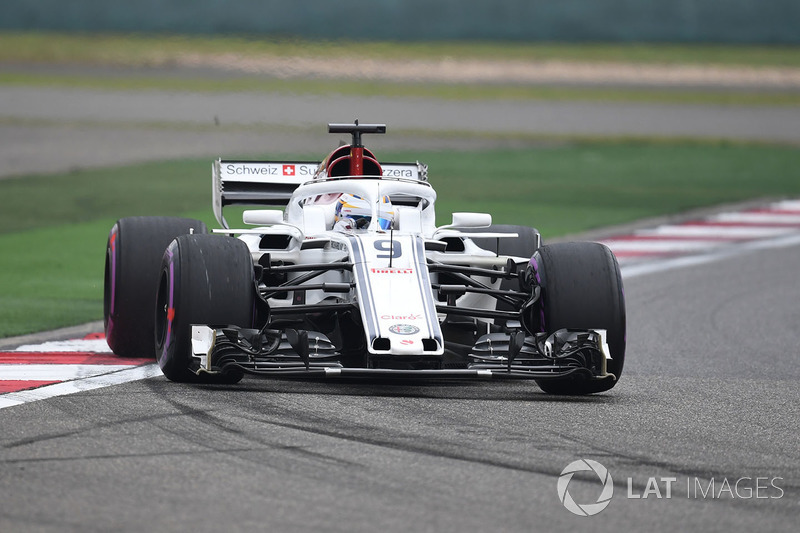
[{"x": 271, "y": 183}]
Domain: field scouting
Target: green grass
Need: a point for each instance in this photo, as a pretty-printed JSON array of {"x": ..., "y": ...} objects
[
  {"x": 85, "y": 196},
  {"x": 575, "y": 188},
  {"x": 53, "y": 228},
  {"x": 452, "y": 91},
  {"x": 154, "y": 50},
  {"x": 52, "y": 277}
]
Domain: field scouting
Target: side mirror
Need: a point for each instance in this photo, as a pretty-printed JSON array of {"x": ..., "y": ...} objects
[
  {"x": 471, "y": 220},
  {"x": 262, "y": 217}
]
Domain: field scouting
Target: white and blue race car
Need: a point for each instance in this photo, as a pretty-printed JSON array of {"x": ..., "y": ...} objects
[{"x": 342, "y": 272}]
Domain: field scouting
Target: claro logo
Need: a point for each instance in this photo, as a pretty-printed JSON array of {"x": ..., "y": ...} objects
[{"x": 585, "y": 509}]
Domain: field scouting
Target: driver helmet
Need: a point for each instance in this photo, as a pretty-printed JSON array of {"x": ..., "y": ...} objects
[{"x": 354, "y": 212}]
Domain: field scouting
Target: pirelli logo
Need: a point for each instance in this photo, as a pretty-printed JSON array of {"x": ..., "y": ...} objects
[{"x": 392, "y": 270}]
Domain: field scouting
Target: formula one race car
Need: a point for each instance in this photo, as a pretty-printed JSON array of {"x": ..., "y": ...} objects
[{"x": 354, "y": 279}]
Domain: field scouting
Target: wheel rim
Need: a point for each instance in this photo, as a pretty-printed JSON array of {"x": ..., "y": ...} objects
[
  {"x": 162, "y": 319},
  {"x": 107, "y": 289}
]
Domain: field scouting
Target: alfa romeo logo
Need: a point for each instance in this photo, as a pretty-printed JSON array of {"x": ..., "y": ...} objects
[
  {"x": 586, "y": 509},
  {"x": 404, "y": 329}
]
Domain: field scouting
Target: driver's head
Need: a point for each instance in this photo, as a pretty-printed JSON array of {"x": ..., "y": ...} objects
[
  {"x": 357, "y": 211},
  {"x": 354, "y": 209}
]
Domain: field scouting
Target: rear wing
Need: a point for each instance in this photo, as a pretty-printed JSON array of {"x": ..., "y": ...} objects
[{"x": 271, "y": 183}]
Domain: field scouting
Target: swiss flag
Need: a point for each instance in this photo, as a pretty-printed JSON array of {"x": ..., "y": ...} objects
[{"x": 288, "y": 170}]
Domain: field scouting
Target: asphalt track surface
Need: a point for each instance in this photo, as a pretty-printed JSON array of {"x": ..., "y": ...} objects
[
  {"x": 710, "y": 391},
  {"x": 48, "y": 130}
]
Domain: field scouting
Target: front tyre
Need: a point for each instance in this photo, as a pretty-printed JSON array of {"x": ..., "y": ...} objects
[
  {"x": 581, "y": 289},
  {"x": 205, "y": 279}
]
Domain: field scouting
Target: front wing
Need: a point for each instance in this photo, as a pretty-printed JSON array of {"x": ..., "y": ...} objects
[{"x": 293, "y": 354}]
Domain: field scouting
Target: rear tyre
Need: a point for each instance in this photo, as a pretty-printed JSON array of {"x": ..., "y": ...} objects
[
  {"x": 523, "y": 246},
  {"x": 133, "y": 257},
  {"x": 581, "y": 289},
  {"x": 204, "y": 279}
]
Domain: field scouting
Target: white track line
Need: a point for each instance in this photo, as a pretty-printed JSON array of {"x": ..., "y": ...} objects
[
  {"x": 40, "y": 372},
  {"x": 710, "y": 238},
  {"x": 649, "y": 246},
  {"x": 74, "y": 345},
  {"x": 787, "y": 205},
  {"x": 722, "y": 232},
  {"x": 79, "y": 385},
  {"x": 635, "y": 270},
  {"x": 757, "y": 218}
]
